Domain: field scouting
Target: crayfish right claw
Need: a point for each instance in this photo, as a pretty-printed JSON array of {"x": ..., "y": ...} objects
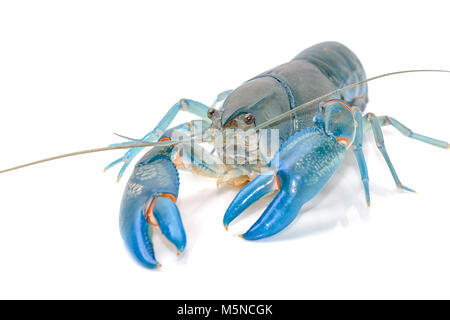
[
  {"x": 293, "y": 172},
  {"x": 256, "y": 189}
]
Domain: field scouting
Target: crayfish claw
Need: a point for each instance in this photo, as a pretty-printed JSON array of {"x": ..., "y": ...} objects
[
  {"x": 136, "y": 233},
  {"x": 294, "y": 173},
  {"x": 149, "y": 203},
  {"x": 278, "y": 215},
  {"x": 256, "y": 189},
  {"x": 169, "y": 221},
  {"x": 283, "y": 209},
  {"x": 137, "y": 228}
]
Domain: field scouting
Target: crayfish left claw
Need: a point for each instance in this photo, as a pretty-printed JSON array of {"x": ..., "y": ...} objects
[
  {"x": 169, "y": 221},
  {"x": 136, "y": 233},
  {"x": 137, "y": 227},
  {"x": 148, "y": 203}
]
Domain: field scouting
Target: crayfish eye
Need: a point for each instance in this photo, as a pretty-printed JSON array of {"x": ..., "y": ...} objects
[
  {"x": 249, "y": 118},
  {"x": 211, "y": 112}
]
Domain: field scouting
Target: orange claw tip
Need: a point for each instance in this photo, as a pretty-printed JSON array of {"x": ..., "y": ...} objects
[
  {"x": 159, "y": 265},
  {"x": 226, "y": 227},
  {"x": 178, "y": 252},
  {"x": 241, "y": 236}
]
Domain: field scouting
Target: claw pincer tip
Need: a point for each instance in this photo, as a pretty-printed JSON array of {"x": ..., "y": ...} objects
[{"x": 256, "y": 189}]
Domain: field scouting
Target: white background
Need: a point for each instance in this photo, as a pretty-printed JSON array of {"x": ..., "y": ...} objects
[{"x": 74, "y": 72}]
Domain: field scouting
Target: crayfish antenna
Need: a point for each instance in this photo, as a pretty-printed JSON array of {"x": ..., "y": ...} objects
[{"x": 95, "y": 150}]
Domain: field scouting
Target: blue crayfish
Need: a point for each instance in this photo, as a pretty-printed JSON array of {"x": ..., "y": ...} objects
[{"x": 313, "y": 107}]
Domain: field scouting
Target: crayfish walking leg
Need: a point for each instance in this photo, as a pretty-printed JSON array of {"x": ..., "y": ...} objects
[
  {"x": 194, "y": 107},
  {"x": 373, "y": 122}
]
